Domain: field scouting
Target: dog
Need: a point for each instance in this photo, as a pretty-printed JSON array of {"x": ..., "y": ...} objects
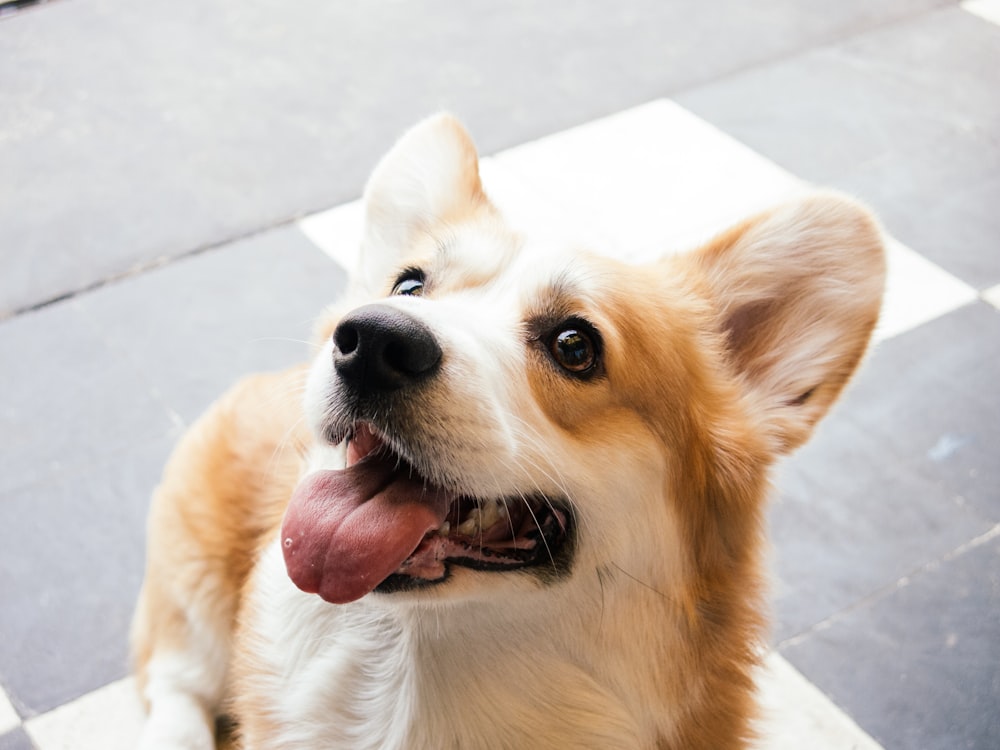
[{"x": 516, "y": 500}]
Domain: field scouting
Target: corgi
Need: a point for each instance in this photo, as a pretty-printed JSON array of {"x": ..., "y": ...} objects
[{"x": 517, "y": 498}]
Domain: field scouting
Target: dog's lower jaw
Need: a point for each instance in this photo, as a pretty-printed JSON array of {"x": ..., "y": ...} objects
[{"x": 377, "y": 674}]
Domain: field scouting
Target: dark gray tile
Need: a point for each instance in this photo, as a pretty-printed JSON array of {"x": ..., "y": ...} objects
[
  {"x": 904, "y": 470},
  {"x": 73, "y": 558},
  {"x": 839, "y": 539},
  {"x": 940, "y": 200},
  {"x": 194, "y": 327},
  {"x": 932, "y": 403},
  {"x": 69, "y": 400},
  {"x": 86, "y": 433},
  {"x": 231, "y": 116},
  {"x": 16, "y": 740},
  {"x": 920, "y": 668},
  {"x": 904, "y": 116}
]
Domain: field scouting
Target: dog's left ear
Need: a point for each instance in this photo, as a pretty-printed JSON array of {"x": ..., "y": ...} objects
[
  {"x": 797, "y": 293},
  {"x": 431, "y": 176}
]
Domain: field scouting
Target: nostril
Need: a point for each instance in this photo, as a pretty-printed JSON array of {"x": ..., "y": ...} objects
[
  {"x": 410, "y": 357},
  {"x": 346, "y": 338},
  {"x": 396, "y": 356}
]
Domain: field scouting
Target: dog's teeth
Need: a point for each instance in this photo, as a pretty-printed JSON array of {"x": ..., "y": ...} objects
[
  {"x": 445, "y": 528},
  {"x": 489, "y": 514},
  {"x": 470, "y": 525},
  {"x": 482, "y": 517}
]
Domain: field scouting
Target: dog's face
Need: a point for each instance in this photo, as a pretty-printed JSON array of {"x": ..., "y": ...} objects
[{"x": 510, "y": 416}]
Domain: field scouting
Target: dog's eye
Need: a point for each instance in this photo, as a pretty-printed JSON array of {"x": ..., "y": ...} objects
[
  {"x": 574, "y": 348},
  {"x": 410, "y": 282}
]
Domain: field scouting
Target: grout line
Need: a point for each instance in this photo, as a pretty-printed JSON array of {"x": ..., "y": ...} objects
[
  {"x": 970, "y": 545},
  {"x": 154, "y": 264},
  {"x": 136, "y": 270},
  {"x": 818, "y": 44},
  {"x": 886, "y": 591}
]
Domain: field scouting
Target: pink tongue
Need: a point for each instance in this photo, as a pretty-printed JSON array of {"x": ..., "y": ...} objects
[{"x": 346, "y": 531}]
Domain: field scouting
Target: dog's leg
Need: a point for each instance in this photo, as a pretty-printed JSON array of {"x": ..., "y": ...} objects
[
  {"x": 182, "y": 694},
  {"x": 181, "y": 634},
  {"x": 223, "y": 493}
]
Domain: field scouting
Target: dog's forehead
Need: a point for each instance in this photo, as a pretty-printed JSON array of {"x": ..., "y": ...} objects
[
  {"x": 530, "y": 273},
  {"x": 468, "y": 256},
  {"x": 563, "y": 281}
]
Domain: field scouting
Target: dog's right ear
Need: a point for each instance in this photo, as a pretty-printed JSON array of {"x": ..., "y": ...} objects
[
  {"x": 431, "y": 176},
  {"x": 796, "y": 292}
]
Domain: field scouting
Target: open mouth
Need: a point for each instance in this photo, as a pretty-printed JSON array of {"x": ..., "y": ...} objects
[{"x": 379, "y": 525}]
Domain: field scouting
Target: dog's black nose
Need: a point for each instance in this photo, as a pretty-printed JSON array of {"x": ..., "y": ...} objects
[{"x": 379, "y": 348}]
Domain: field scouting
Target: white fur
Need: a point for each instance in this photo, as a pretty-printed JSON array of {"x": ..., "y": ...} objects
[
  {"x": 372, "y": 675},
  {"x": 183, "y": 691}
]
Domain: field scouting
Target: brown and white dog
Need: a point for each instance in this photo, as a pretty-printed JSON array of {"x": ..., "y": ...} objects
[{"x": 517, "y": 499}]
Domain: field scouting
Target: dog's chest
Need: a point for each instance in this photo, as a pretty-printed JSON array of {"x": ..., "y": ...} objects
[{"x": 352, "y": 677}]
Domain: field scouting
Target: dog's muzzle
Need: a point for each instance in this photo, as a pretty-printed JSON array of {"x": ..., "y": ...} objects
[
  {"x": 379, "y": 349},
  {"x": 391, "y": 519}
]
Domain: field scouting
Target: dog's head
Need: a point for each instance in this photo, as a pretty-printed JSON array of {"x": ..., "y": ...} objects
[{"x": 509, "y": 415}]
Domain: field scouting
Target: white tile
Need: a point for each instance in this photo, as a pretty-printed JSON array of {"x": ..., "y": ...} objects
[
  {"x": 988, "y": 9},
  {"x": 337, "y": 232},
  {"x": 109, "y": 719},
  {"x": 992, "y": 296},
  {"x": 917, "y": 291},
  {"x": 653, "y": 179},
  {"x": 8, "y": 716},
  {"x": 529, "y": 207},
  {"x": 796, "y": 715}
]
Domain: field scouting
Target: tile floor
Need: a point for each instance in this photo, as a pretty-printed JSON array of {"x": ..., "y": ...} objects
[{"x": 886, "y": 527}]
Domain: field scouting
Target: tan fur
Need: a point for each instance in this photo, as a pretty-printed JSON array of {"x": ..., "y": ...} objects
[
  {"x": 715, "y": 363},
  {"x": 718, "y": 467},
  {"x": 223, "y": 493}
]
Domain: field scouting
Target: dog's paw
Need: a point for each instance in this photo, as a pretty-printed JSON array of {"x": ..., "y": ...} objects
[
  {"x": 177, "y": 727},
  {"x": 176, "y": 738}
]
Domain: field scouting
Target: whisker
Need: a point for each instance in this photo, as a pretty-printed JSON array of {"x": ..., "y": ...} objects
[
  {"x": 600, "y": 581},
  {"x": 642, "y": 583},
  {"x": 538, "y": 526},
  {"x": 530, "y": 469},
  {"x": 311, "y": 344}
]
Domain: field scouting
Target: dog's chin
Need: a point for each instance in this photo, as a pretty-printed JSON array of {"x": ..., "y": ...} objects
[{"x": 516, "y": 534}]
